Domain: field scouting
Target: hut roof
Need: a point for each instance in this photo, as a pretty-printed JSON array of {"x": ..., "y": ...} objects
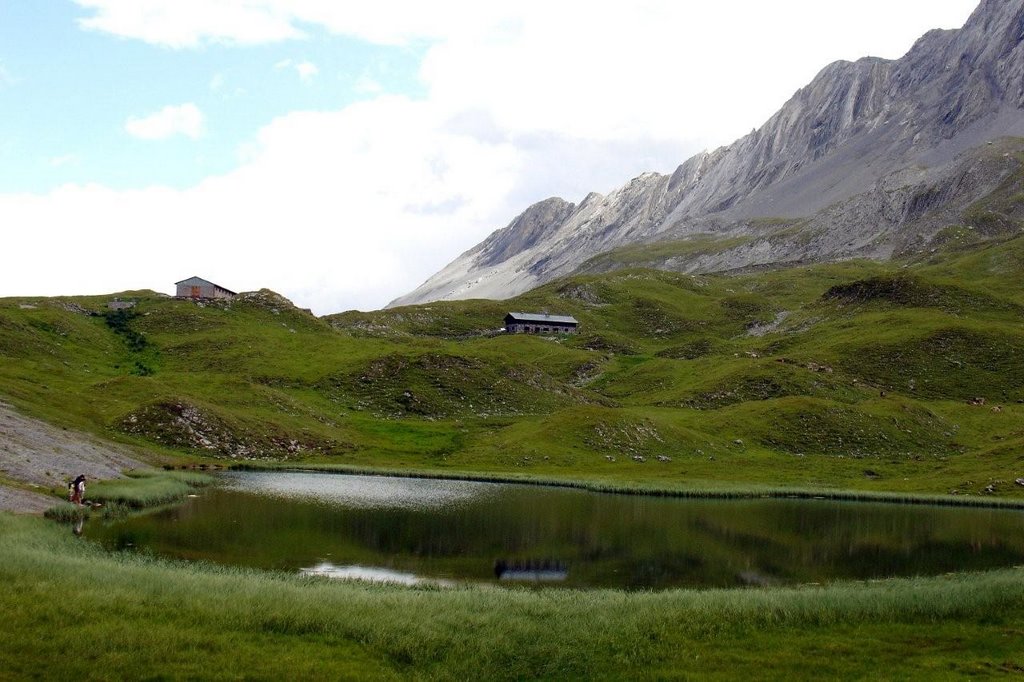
[
  {"x": 540, "y": 318},
  {"x": 199, "y": 281}
]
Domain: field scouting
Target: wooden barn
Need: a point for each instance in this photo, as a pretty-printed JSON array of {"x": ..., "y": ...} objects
[
  {"x": 537, "y": 323},
  {"x": 197, "y": 288}
]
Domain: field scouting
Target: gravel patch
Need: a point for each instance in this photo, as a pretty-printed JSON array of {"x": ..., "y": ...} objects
[
  {"x": 768, "y": 327},
  {"x": 36, "y": 453},
  {"x": 14, "y": 500}
]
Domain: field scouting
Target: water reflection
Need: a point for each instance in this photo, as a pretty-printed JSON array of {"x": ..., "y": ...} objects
[
  {"x": 531, "y": 570},
  {"x": 368, "y": 573},
  {"x": 362, "y": 492},
  {"x": 478, "y": 532}
]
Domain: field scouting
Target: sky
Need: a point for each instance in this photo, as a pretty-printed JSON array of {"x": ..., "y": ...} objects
[{"x": 342, "y": 152}]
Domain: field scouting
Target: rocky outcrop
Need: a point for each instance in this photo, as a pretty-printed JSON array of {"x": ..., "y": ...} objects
[
  {"x": 843, "y": 143},
  {"x": 179, "y": 424}
]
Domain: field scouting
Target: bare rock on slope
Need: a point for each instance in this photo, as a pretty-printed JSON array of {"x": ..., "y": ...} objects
[
  {"x": 840, "y": 137},
  {"x": 15, "y": 500},
  {"x": 35, "y": 453}
]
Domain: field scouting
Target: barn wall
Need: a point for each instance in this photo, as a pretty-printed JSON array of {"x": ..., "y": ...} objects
[
  {"x": 205, "y": 291},
  {"x": 521, "y": 328}
]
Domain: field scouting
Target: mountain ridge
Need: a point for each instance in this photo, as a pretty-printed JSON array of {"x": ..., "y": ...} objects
[{"x": 846, "y": 134}]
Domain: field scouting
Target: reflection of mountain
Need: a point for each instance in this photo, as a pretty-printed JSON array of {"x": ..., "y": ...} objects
[
  {"x": 362, "y": 492},
  {"x": 867, "y": 160}
]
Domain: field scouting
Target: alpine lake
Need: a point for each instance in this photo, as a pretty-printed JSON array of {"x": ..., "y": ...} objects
[{"x": 443, "y": 532}]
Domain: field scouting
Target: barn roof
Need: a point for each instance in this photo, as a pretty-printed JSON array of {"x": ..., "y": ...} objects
[
  {"x": 199, "y": 281},
  {"x": 542, "y": 318}
]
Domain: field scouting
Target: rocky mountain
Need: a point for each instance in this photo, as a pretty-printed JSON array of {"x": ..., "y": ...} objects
[{"x": 873, "y": 159}]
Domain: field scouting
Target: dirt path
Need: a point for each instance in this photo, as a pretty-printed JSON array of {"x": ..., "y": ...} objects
[{"x": 38, "y": 455}]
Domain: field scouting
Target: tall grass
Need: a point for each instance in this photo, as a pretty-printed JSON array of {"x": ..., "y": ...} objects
[
  {"x": 72, "y": 610},
  {"x": 66, "y": 512},
  {"x": 148, "y": 488},
  {"x": 140, "y": 488}
]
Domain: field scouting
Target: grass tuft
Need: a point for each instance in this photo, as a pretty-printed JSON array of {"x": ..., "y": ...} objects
[
  {"x": 148, "y": 488},
  {"x": 66, "y": 512}
]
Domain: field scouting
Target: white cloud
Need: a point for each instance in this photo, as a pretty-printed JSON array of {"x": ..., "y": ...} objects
[
  {"x": 522, "y": 101},
  {"x": 596, "y": 69},
  {"x": 191, "y": 23},
  {"x": 335, "y": 210},
  {"x": 682, "y": 71},
  {"x": 219, "y": 85},
  {"x": 64, "y": 160},
  {"x": 367, "y": 85},
  {"x": 306, "y": 70},
  {"x": 184, "y": 119}
]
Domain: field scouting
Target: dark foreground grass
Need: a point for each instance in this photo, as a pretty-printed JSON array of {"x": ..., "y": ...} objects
[{"x": 73, "y": 611}]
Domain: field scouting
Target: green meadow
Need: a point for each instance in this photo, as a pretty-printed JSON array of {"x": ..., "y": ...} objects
[
  {"x": 855, "y": 380},
  {"x": 888, "y": 378}
]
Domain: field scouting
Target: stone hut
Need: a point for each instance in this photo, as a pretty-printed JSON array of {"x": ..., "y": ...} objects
[
  {"x": 198, "y": 288},
  {"x": 538, "y": 323}
]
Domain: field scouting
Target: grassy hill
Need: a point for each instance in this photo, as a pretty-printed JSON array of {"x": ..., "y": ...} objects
[{"x": 890, "y": 377}]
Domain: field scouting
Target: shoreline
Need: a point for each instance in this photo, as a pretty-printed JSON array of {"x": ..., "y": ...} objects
[
  {"x": 739, "y": 492},
  {"x": 654, "y": 490}
]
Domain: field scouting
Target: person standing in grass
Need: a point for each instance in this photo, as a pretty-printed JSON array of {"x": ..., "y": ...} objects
[{"x": 78, "y": 489}]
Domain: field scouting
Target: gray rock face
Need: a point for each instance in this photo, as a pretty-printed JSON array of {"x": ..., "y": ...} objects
[
  {"x": 853, "y": 145},
  {"x": 529, "y": 229}
]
